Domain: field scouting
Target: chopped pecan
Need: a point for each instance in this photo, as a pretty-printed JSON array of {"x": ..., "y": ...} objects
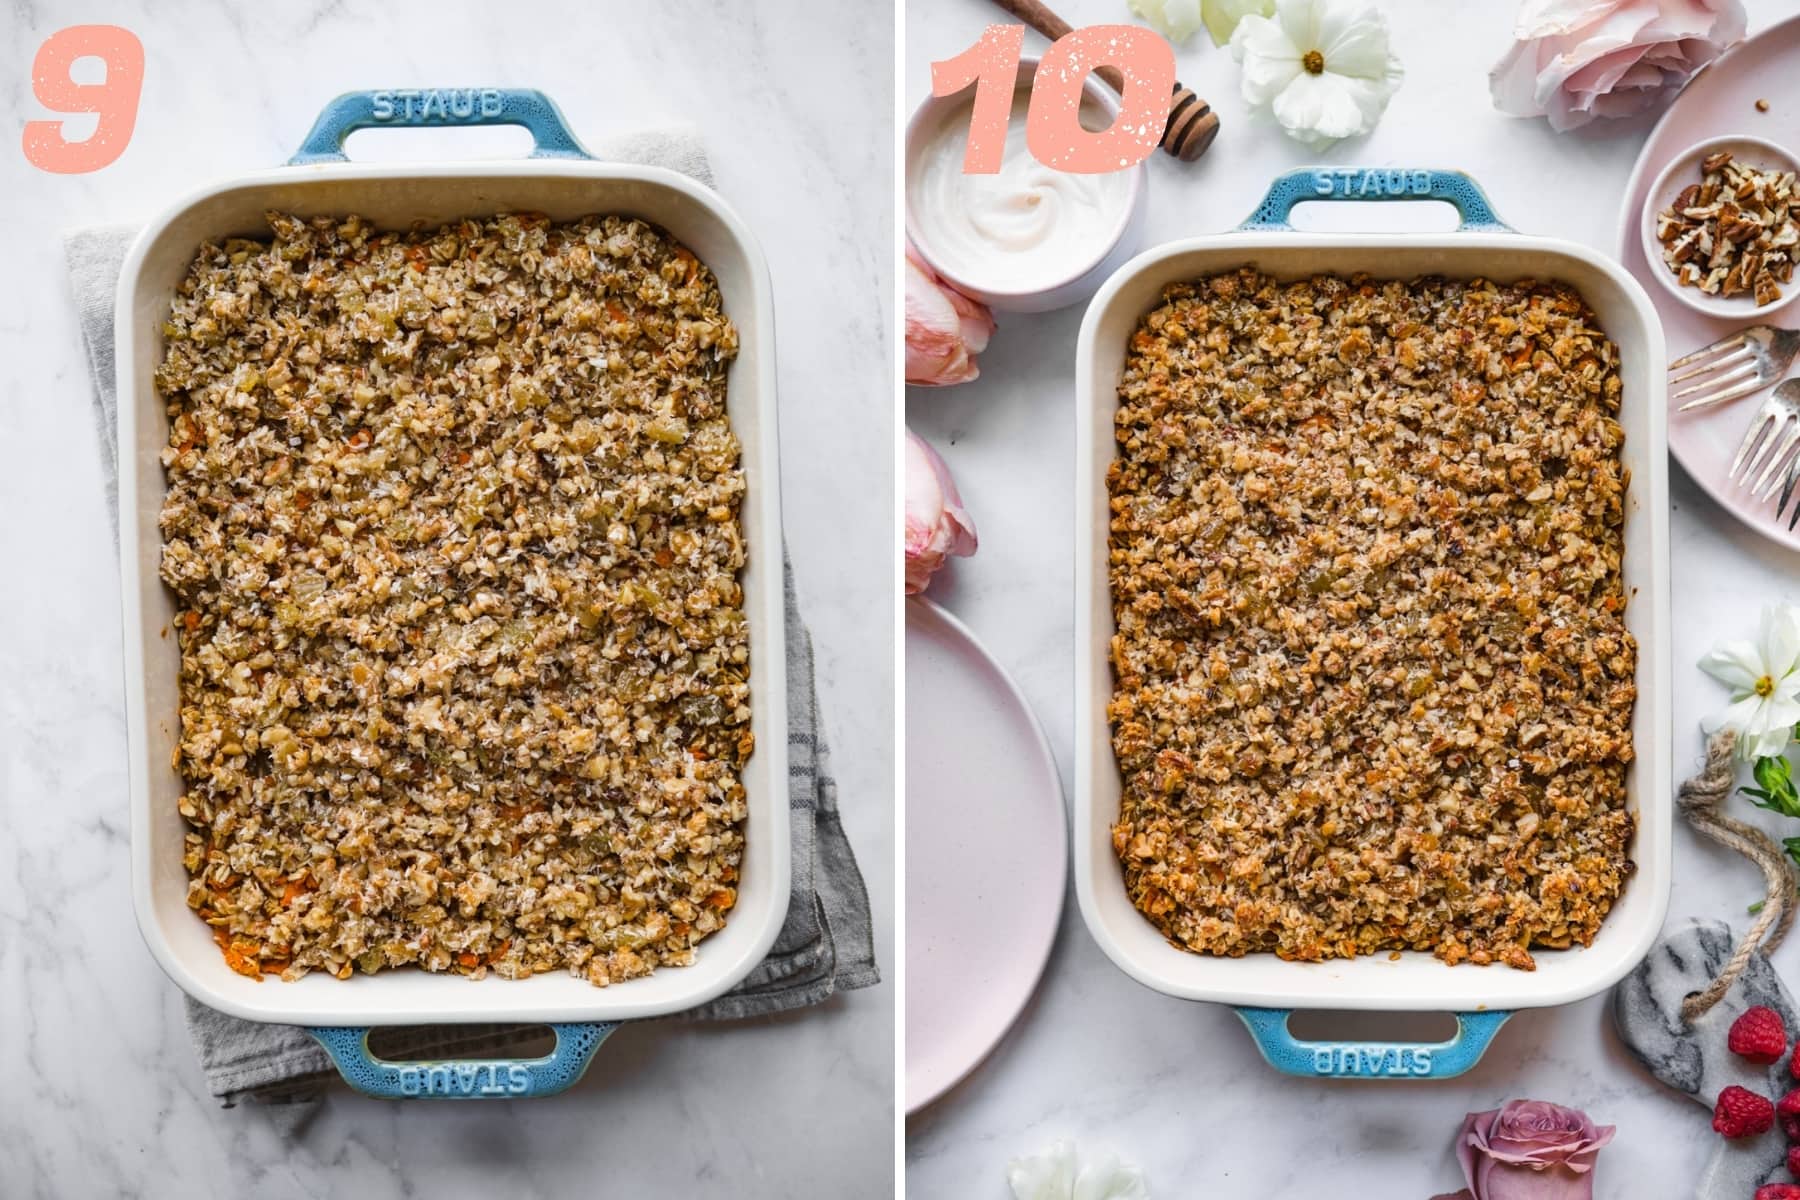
[{"x": 1733, "y": 233}]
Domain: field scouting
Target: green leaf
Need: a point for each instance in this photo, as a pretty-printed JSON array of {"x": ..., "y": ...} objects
[
  {"x": 1755, "y": 908},
  {"x": 1222, "y": 16},
  {"x": 1777, "y": 792},
  {"x": 1774, "y": 803}
]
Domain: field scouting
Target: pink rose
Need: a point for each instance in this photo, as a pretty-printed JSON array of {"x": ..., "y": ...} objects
[
  {"x": 1580, "y": 59},
  {"x": 1530, "y": 1150},
  {"x": 936, "y": 524},
  {"x": 945, "y": 329}
]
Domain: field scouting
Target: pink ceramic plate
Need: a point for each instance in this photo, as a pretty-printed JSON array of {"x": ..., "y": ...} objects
[
  {"x": 1720, "y": 100},
  {"x": 987, "y": 852}
]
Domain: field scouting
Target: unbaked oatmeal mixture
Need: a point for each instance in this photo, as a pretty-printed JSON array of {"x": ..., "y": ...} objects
[
  {"x": 452, "y": 523},
  {"x": 1373, "y": 682}
]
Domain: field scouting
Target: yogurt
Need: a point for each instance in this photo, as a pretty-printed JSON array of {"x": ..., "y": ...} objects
[{"x": 1027, "y": 228}]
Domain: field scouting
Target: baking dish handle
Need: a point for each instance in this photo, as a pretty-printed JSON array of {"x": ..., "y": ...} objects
[
  {"x": 1372, "y": 1060},
  {"x": 414, "y": 108},
  {"x": 462, "y": 1079},
  {"x": 1374, "y": 183}
]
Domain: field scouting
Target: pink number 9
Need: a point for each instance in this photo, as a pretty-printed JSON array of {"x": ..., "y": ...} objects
[
  {"x": 1053, "y": 128},
  {"x": 116, "y": 99}
]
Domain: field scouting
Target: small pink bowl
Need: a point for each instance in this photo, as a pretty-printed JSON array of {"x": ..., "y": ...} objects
[{"x": 1079, "y": 283}]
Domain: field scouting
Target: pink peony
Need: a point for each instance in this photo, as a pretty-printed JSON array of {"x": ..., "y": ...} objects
[
  {"x": 945, "y": 329},
  {"x": 1580, "y": 59},
  {"x": 936, "y": 524},
  {"x": 1530, "y": 1150}
]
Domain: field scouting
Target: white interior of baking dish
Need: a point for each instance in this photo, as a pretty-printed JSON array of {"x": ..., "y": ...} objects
[
  {"x": 1414, "y": 981},
  {"x": 394, "y": 197}
]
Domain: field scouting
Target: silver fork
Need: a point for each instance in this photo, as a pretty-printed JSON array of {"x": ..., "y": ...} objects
[
  {"x": 1768, "y": 446},
  {"x": 1734, "y": 366}
]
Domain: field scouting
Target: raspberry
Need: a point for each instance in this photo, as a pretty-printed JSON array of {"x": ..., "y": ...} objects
[
  {"x": 1758, "y": 1035},
  {"x": 1778, "y": 1191},
  {"x": 1789, "y": 1112},
  {"x": 1741, "y": 1113},
  {"x": 1794, "y": 1161}
]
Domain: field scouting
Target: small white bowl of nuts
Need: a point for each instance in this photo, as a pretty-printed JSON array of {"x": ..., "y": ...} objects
[{"x": 1723, "y": 223}]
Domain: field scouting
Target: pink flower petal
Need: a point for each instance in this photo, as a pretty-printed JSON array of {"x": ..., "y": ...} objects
[
  {"x": 937, "y": 525},
  {"x": 945, "y": 329},
  {"x": 1574, "y": 60}
]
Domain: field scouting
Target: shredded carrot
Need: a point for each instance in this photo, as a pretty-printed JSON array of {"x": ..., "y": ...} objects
[
  {"x": 469, "y": 960},
  {"x": 614, "y": 311},
  {"x": 239, "y": 956}
]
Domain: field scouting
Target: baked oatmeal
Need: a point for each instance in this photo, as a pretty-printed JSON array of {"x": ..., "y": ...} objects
[
  {"x": 453, "y": 526},
  {"x": 1373, "y": 684}
]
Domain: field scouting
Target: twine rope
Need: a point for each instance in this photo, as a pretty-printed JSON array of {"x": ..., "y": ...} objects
[{"x": 1699, "y": 800}]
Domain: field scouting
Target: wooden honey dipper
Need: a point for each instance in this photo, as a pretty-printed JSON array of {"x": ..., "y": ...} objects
[{"x": 1192, "y": 122}]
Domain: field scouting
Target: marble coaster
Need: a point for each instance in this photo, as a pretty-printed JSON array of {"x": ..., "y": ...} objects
[{"x": 1693, "y": 1059}]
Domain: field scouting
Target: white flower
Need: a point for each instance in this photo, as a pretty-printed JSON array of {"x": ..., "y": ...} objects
[
  {"x": 1053, "y": 1175},
  {"x": 1222, "y": 16},
  {"x": 1321, "y": 67},
  {"x": 1764, "y": 677},
  {"x": 1174, "y": 19}
]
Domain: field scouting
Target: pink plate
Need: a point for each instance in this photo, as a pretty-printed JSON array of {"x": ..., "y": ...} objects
[
  {"x": 1721, "y": 100},
  {"x": 987, "y": 852}
]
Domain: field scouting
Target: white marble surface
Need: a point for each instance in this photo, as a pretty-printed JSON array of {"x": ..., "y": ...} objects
[
  {"x": 1177, "y": 1086},
  {"x": 106, "y": 1099}
]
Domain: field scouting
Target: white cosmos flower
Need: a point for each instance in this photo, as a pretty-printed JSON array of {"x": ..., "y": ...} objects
[
  {"x": 1322, "y": 68},
  {"x": 1056, "y": 1174},
  {"x": 1764, "y": 677}
]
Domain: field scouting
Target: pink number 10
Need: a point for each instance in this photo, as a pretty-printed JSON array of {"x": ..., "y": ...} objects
[
  {"x": 1053, "y": 129},
  {"x": 116, "y": 100}
]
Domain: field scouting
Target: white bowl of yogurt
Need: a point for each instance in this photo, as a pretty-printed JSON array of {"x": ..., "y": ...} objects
[{"x": 1030, "y": 238}]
